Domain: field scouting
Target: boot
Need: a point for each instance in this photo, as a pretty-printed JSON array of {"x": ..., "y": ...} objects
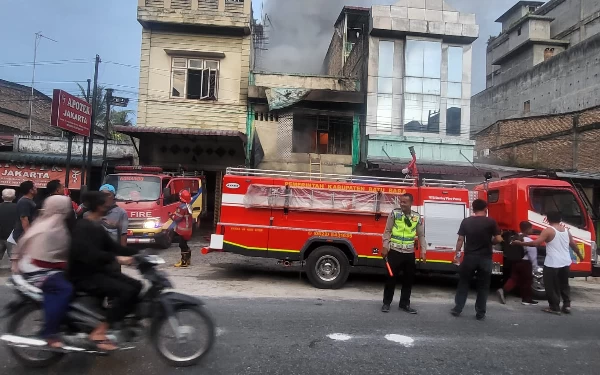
[{"x": 185, "y": 260}]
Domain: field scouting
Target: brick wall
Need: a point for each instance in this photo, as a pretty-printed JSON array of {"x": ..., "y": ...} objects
[
  {"x": 543, "y": 142},
  {"x": 14, "y": 110},
  {"x": 332, "y": 64}
]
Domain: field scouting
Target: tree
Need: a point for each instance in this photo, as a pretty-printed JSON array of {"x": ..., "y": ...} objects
[{"x": 117, "y": 117}]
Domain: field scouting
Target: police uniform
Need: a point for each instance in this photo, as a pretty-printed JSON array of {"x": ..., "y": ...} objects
[{"x": 399, "y": 237}]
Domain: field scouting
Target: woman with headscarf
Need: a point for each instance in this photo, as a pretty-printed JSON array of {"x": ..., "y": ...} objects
[{"x": 42, "y": 254}]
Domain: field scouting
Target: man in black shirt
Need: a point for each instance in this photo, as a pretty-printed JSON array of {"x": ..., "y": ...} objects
[
  {"x": 26, "y": 208},
  {"x": 478, "y": 233}
]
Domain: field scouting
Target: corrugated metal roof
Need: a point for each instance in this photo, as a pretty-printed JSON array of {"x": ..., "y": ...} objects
[
  {"x": 133, "y": 130},
  {"x": 432, "y": 167},
  {"x": 47, "y": 158}
]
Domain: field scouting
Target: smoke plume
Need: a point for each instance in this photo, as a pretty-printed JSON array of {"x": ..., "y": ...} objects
[{"x": 300, "y": 31}]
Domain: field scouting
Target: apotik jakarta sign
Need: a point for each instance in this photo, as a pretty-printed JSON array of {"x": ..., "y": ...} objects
[{"x": 71, "y": 113}]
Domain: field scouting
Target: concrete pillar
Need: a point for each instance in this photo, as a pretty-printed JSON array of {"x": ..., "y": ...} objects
[
  {"x": 247, "y": 7},
  {"x": 221, "y": 6},
  {"x": 194, "y": 4}
]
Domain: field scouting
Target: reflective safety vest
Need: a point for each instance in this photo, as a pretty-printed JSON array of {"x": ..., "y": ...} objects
[{"x": 403, "y": 234}]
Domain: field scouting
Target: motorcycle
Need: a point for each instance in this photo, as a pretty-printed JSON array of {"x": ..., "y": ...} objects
[{"x": 158, "y": 311}]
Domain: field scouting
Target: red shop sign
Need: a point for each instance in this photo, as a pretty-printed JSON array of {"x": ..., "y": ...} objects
[
  {"x": 71, "y": 113},
  {"x": 14, "y": 174}
]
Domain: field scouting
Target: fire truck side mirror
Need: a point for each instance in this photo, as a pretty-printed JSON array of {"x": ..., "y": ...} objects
[{"x": 488, "y": 176}]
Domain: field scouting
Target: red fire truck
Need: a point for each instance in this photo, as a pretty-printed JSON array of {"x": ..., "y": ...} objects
[
  {"x": 150, "y": 195},
  {"x": 334, "y": 222}
]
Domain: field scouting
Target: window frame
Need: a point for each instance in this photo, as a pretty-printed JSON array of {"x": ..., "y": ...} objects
[
  {"x": 425, "y": 79},
  {"x": 188, "y": 66},
  {"x": 581, "y": 207}
]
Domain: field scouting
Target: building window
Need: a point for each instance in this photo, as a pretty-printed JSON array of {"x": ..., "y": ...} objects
[
  {"x": 422, "y": 87},
  {"x": 455, "y": 78},
  {"x": 194, "y": 79},
  {"x": 322, "y": 134},
  {"x": 527, "y": 107},
  {"x": 385, "y": 85},
  {"x": 531, "y": 9},
  {"x": 519, "y": 31}
]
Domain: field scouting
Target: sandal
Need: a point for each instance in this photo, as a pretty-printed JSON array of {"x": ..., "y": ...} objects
[
  {"x": 105, "y": 345},
  {"x": 550, "y": 311}
]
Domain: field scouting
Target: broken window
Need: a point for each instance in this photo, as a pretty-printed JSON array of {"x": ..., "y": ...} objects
[
  {"x": 194, "y": 78},
  {"x": 322, "y": 134}
]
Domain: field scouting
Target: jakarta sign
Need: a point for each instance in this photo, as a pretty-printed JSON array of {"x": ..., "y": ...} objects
[{"x": 71, "y": 113}]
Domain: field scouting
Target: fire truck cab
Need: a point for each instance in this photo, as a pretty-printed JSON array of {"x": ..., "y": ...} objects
[
  {"x": 149, "y": 195},
  {"x": 514, "y": 200},
  {"x": 334, "y": 222}
]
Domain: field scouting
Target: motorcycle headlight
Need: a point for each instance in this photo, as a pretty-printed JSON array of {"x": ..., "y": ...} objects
[{"x": 151, "y": 224}]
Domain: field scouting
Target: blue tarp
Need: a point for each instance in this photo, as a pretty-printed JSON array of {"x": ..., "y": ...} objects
[{"x": 279, "y": 98}]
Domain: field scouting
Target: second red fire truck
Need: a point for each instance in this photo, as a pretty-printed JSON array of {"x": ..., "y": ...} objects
[{"x": 334, "y": 222}]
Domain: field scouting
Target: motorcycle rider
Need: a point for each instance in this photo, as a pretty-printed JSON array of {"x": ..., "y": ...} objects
[
  {"x": 42, "y": 254},
  {"x": 182, "y": 224},
  {"x": 92, "y": 253}
]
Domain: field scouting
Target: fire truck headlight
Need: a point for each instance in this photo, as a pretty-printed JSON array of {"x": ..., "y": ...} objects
[
  {"x": 594, "y": 252},
  {"x": 151, "y": 224}
]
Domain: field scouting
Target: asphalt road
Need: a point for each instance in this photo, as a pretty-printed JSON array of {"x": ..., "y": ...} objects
[{"x": 267, "y": 336}]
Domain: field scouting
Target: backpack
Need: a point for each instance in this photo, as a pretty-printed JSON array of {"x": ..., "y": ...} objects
[{"x": 513, "y": 252}]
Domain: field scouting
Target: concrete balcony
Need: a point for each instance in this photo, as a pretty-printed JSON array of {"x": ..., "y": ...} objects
[{"x": 229, "y": 16}]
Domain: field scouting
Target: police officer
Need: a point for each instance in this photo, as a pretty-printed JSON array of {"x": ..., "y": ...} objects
[{"x": 403, "y": 226}]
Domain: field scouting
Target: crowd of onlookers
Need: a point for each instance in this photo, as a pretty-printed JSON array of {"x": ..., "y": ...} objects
[{"x": 59, "y": 247}]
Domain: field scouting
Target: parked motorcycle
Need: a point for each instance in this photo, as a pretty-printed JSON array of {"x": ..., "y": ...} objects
[{"x": 161, "y": 313}]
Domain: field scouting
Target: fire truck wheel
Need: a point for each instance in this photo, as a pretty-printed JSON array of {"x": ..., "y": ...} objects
[
  {"x": 327, "y": 267},
  {"x": 165, "y": 241}
]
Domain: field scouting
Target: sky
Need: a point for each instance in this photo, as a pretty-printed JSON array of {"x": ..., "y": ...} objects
[{"x": 299, "y": 34}]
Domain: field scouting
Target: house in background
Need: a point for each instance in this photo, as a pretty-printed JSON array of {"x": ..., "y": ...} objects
[
  {"x": 194, "y": 71},
  {"x": 414, "y": 61},
  {"x": 305, "y": 123},
  {"x": 545, "y": 61},
  {"x": 14, "y": 111}
]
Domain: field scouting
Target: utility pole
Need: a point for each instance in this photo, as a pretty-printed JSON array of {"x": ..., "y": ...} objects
[
  {"x": 84, "y": 159},
  {"x": 109, "y": 93},
  {"x": 94, "y": 115},
  {"x": 38, "y": 37}
]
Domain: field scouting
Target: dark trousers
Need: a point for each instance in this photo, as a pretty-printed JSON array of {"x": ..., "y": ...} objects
[
  {"x": 183, "y": 245},
  {"x": 480, "y": 267},
  {"x": 405, "y": 263},
  {"x": 556, "y": 281},
  {"x": 122, "y": 291},
  {"x": 521, "y": 275},
  {"x": 57, "y": 296}
]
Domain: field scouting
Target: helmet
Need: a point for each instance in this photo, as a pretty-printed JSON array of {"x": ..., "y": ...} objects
[{"x": 185, "y": 196}]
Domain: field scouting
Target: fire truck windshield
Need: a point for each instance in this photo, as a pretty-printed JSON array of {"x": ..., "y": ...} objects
[
  {"x": 544, "y": 200},
  {"x": 135, "y": 188}
]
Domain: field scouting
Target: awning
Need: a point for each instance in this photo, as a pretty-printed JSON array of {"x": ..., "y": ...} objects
[
  {"x": 439, "y": 168},
  {"x": 136, "y": 131},
  {"x": 50, "y": 159}
]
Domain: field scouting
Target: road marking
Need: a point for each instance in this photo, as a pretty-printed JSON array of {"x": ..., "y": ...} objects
[
  {"x": 400, "y": 339},
  {"x": 339, "y": 336}
]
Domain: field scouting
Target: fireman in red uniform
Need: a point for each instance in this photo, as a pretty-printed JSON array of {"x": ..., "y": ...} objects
[{"x": 182, "y": 225}]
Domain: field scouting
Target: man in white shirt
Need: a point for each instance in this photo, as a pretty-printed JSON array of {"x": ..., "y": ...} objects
[
  {"x": 557, "y": 263},
  {"x": 522, "y": 270}
]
